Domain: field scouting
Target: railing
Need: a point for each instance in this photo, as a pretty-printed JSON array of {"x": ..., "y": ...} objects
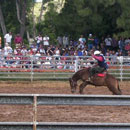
[
  {"x": 36, "y": 68},
  {"x": 47, "y": 99}
]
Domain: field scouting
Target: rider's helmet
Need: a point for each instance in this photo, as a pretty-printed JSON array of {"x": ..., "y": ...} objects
[{"x": 97, "y": 52}]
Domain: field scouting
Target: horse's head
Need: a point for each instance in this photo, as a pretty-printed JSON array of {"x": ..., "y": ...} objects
[{"x": 73, "y": 85}]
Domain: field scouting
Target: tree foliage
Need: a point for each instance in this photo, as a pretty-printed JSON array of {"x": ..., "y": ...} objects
[{"x": 99, "y": 17}]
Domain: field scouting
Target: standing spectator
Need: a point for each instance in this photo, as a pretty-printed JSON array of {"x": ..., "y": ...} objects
[
  {"x": 108, "y": 42},
  {"x": 82, "y": 40},
  {"x": 115, "y": 46},
  {"x": 103, "y": 49},
  {"x": 127, "y": 40},
  {"x": 60, "y": 40},
  {"x": 8, "y": 38},
  {"x": 90, "y": 42},
  {"x": 38, "y": 40},
  {"x": 46, "y": 41},
  {"x": 121, "y": 44},
  {"x": 96, "y": 42},
  {"x": 18, "y": 40},
  {"x": 65, "y": 41}
]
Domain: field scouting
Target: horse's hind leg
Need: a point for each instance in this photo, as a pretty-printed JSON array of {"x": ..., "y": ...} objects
[
  {"x": 82, "y": 86},
  {"x": 114, "y": 90}
]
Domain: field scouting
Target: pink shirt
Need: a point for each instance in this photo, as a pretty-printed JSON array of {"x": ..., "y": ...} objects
[{"x": 18, "y": 40}]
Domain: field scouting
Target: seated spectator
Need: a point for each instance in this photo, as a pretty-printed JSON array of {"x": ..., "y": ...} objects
[
  {"x": 79, "y": 52},
  {"x": 24, "y": 51},
  {"x": 7, "y": 49},
  {"x": 42, "y": 50},
  {"x": 127, "y": 47}
]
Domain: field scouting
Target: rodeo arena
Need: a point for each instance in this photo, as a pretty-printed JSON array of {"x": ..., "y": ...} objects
[{"x": 38, "y": 87}]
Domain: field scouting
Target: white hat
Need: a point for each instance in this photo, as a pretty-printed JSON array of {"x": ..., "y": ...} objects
[
  {"x": 97, "y": 52},
  {"x": 90, "y": 35}
]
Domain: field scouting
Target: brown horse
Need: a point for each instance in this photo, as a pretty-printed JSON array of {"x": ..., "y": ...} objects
[{"x": 83, "y": 75}]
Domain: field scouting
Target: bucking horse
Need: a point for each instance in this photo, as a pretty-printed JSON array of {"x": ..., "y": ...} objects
[{"x": 104, "y": 79}]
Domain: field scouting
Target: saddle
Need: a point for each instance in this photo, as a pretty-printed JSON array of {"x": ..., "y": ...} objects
[{"x": 101, "y": 74}]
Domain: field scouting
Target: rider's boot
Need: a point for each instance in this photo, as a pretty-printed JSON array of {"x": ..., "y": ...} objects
[{"x": 89, "y": 78}]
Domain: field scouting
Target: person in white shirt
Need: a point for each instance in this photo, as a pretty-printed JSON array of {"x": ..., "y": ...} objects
[
  {"x": 46, "y": 41},
  {"x": 108, "y": 42},
  {"x": 7, "y": 49},
  {"x": 8, "y": 38},
  {"x": 38, "y": 40}
]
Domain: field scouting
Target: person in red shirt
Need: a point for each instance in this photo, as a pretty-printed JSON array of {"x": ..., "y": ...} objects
[
  {"x": 18, "y": 40},
  {"x": 101, "y": 65}
]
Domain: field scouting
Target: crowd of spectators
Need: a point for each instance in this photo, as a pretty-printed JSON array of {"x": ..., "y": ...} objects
[{"x": 42, "y": 49}]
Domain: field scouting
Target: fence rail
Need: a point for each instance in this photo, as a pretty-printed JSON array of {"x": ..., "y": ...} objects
[
  {"x": 54, "y": 99},
  {"x": 34, "y": 68},
  {"x": 64, "y": 126}
]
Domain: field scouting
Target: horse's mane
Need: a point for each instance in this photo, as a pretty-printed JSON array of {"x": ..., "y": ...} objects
[{"x": 79, "y": 73}]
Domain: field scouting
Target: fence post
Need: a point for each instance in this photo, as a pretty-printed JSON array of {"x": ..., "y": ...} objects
[
  {"x": 76, "y": 64},
  {"x": 31, "y": 68},
  {"x": 121, "y": 67},
  {"x": 35, "y": 113}
]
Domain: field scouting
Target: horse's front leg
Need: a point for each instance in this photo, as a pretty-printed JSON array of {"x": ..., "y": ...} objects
[{"x": 82, "y": 86}]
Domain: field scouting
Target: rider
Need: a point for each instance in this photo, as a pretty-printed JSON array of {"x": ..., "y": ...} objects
[{"x": 101, "y": 65}]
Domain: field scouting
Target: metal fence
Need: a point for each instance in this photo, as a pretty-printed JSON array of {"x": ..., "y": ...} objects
[
  {"x": 57, "y": 67},
  {"x": 47, "y": 99}
]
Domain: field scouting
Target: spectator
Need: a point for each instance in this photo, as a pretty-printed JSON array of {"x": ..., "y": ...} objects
[
  {"x": 7, "y": 49},
  {"x": 42, "y": 50},
  {"x": 121, "y": 44},
  {"x": 82, "y": 40},
  {"x": 115, "y": 45},
  {"x": 90, "y": 42},
  {"x": 50, "y": 51},
  {"x": 108, "y": 42},
  {"x": 38, "y": 40},
  {"x": 8, "y": 38},
  {"x": 96, "y": 42},
  {"x": 18, "y": 40},
  {"x": 57, "y": 53},
  {"x": 46, "y": 41},
  {"x": 24, "y": 51},
  {"x": 65, "y": 41},
  {"x": 60, "y": 40}
]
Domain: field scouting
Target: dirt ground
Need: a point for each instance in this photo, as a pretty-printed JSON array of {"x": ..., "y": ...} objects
[{"x": 24, "y": 113}]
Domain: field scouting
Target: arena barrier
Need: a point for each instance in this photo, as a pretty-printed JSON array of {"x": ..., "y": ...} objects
[
  {"x": 39, "y": 68},
  {"x": 58, "y": 99}
]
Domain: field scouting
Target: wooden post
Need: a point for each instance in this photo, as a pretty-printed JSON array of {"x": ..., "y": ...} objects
[{"x": 35, "y": 113}]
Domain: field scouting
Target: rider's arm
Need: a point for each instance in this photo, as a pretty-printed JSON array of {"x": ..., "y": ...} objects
[{"x": 99, "y": 58}]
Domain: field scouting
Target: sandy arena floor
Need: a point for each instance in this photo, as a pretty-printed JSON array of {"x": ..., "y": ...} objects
[{"x": 24, "y": 113}]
